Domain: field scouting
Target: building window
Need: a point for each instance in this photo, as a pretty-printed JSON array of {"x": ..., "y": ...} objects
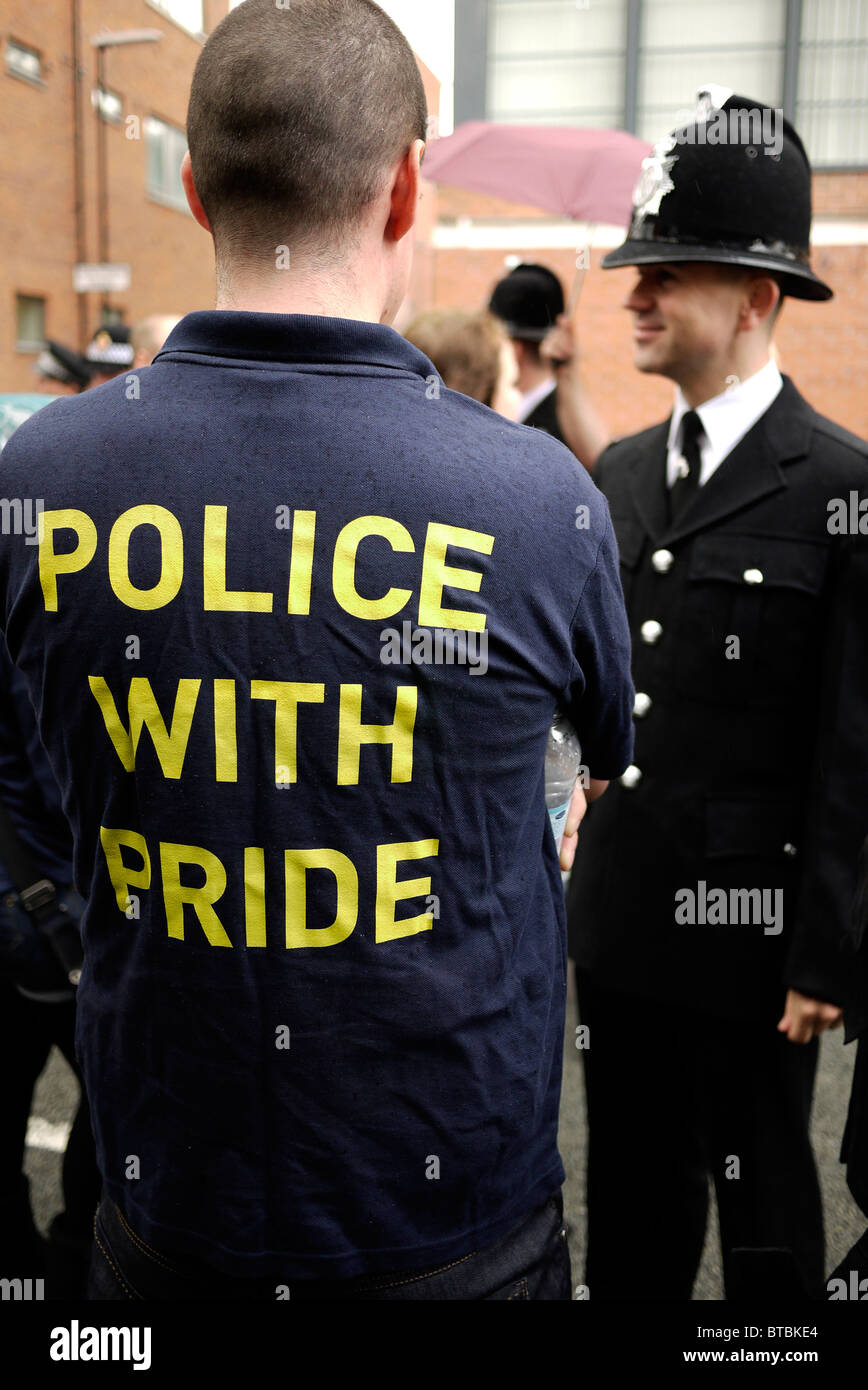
[
  {"x": 187, "y": 13},
  {"x": 111, "y": 106},
  {"x": 22, "y": 61},
  {"x": 683, "y": 46},
  {"x": 166, "y": 146},
  {"x": 556, "y": 62},
  {"x": 29, "y": 323},
  {"x": 637, "y": 64},
  {"x": 832, "y": 98}
]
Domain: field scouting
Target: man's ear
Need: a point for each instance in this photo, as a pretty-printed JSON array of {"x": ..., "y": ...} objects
[
  {"x": 762, "y": 295},
  {"x": 192, "y": 196},
  {"x": 405, "y": 193}
]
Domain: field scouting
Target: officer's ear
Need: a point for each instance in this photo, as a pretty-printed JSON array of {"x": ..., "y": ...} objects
[
  {"x": 192, "y": 196},
  {"x": 762, "y": 299}
]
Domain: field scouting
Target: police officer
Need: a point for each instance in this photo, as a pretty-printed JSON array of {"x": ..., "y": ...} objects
[
  {"x": 711, "y": 888},
  {"x": 109, "y": 353},
  {"x": 63, "y": 365},
  {"x": 528, "y": 301}
]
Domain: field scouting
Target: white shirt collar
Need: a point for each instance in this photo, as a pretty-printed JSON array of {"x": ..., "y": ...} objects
[
  {"x": 531, "y": 399},
  {"x": 725, "y": 419}
]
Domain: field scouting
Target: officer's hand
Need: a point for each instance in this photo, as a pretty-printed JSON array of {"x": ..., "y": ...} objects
[
  {"x": 578, "y": 807},
  {"x": 559, "y": 348},
  {"x": 805, "y": 1018}
]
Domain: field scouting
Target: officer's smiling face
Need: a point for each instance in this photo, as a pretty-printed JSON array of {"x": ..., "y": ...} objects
[{"x": 685, "y": 318}]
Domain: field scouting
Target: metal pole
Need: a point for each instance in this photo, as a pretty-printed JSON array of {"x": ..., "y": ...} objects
[
  {"x": 102, "y": 181},
  {"x": 791, "y": 58},
  {"x": 471, "y": 60},
  {"x": 631, "y": 65},
  {"x": 78, "y": 168}
]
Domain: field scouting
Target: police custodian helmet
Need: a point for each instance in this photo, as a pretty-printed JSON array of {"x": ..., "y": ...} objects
[
  {"x": 528, "y": 300},
  {"x": 731, "y": 186}
]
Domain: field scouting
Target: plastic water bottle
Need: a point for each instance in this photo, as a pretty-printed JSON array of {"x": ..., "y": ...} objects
[{"x": 563, "y": 761}]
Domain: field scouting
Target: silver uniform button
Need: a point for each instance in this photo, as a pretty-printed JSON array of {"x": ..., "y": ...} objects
[
  {"x": 753, "y": 576},
  {"x": 651, "y": 631},
  {"x": 631, "y": 777},
  {"x": 790, "y": 850},
  {"x": 663, "y": 560},
  {"x": 641, "y": 704}
]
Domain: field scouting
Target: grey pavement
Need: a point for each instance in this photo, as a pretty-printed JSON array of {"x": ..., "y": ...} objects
[{"x": 56, "y": 1095}]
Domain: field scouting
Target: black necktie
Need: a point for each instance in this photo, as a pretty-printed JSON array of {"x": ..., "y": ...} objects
[{"x": 685, "y": 486}]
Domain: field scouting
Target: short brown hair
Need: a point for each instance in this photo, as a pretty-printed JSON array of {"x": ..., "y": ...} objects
[
  {"x": 296, "y": 115},
  {"x": 465, "y": 349}
]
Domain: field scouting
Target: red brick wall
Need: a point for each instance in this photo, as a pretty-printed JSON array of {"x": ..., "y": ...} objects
[
  {"x": 841, "y": 195},
  {"x": 170, "y": 256},
  {"x": 821, "y": 345}
]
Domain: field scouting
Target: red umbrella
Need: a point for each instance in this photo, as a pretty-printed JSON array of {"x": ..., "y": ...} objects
[{"x": 575, "y": 171}]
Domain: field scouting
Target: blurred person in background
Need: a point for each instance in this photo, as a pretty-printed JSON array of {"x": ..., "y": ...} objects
[
  {"x": 472, "y": 354},
  {"x": 109, "y": 353},
  {"x": 148, "y": 336},
  {"x": 62, "y": 370},
  {"x": 528, "y": 301},
  {"x": 37, "y": 1001},
  {"x": 39, "y": 910}
]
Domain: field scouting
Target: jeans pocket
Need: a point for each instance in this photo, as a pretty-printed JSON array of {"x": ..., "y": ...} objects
[
  {"x": 106, "y": 1279},
  {"x": 516, "y": 1288}
]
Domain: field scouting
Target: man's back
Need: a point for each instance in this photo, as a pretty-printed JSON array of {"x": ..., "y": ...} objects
[{"x": 322, "y": 1007}]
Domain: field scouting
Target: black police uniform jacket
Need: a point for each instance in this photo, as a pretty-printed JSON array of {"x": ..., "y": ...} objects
[
  {"x": 545, "y": 416},
  {"x": 752, "y": 755}
]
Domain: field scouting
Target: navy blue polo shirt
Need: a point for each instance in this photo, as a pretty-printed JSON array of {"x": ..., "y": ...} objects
[{"x": 295, "y": 631}]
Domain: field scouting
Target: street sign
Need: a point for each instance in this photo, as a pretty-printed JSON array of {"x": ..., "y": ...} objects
[{"x": 100, "y": 278}]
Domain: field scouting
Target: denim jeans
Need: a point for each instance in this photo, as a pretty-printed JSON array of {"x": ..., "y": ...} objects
[{"x": 531, "y": 1261}]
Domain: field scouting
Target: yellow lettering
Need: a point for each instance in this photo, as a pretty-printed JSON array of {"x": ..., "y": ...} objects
[
  {"x": 201, "y": 899},
  {"x": 170, "y": 747},
  {"x": 287, "y": 695},
  {"x": 437, "y": 575},
  {"x": 344, "y": 567},
  {"x": 301, "y": 563},
  {"x": 51, "y": 562},
  {"x": 297, "y": 863},
  {"x": 254, "y": 896},
  {"x": 390, "y": 891},
  {"x": 171, "y": 557},
  {"x": 219, "y": 599},
  {"x": 123, "y": 878},
  {"x": 225, "y": 743},
  {"x": 352, "y": 733}
]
